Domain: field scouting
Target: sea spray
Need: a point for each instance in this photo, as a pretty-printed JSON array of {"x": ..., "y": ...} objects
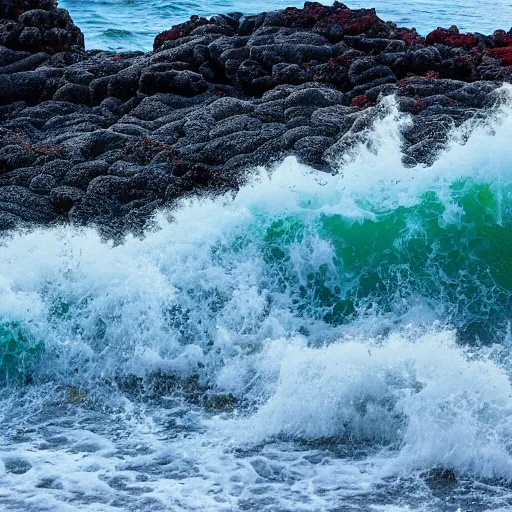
[
  {"x": 420, "y": 395},
  {"x": 324, "y": 333}
]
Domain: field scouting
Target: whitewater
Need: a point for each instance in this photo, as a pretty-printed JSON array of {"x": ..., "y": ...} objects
[{"x": 313, "y": 342}]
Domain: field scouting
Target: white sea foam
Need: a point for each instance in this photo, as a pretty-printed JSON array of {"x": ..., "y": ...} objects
[
  {"x": 200, "y": 296},
  {"x": 421, "y": 395}
]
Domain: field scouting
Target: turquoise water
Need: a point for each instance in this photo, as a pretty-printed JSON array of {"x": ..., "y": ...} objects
[{"x": 133, "y": 24}]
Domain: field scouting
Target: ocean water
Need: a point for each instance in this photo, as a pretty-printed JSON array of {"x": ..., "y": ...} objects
[
  {"x": 133, "y": 24},
  {"x": 315, "y": 342}
]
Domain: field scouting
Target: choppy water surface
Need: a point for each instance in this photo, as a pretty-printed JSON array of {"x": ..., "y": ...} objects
[
  {"x": 133, "y": 24},
  {"x": 313, "y": 343}
]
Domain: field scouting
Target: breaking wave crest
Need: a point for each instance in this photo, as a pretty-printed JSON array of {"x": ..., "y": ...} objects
[{"x": 369, "y": 308}]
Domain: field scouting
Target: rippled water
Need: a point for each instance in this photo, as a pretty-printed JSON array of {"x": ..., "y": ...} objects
[
  {"x": 314, "y": 342},
  {"x": 133, "y": 24}
]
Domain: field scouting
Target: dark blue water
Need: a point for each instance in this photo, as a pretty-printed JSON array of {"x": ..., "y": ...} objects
[{"x": 133, "y": 24}]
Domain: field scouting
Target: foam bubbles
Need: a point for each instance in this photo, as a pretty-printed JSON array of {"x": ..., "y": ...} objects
[{"x": 423, "y": 395}]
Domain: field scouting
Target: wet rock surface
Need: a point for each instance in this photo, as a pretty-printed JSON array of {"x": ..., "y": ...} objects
[{"x": 94, "y": 137}]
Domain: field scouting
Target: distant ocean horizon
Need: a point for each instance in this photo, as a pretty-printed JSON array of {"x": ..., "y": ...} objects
[{"x": 133, "y": 24}]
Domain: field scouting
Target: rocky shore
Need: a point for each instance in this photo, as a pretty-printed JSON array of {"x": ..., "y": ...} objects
[{"x": 94, "y": 137}]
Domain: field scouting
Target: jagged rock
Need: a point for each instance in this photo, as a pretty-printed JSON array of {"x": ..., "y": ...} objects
[
  {"x": 185, "y": 83},
  {"x": 310, "y": 150},
  {"x": 26, "y": 205},
  {"x": 72, "y": 93},
  {"x": 452, "y": 37},
  {"x": 366, "y": 70},
  {"x": 43, "y": 183}
]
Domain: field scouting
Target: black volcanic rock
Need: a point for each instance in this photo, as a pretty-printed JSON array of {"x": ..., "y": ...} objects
[
  {"x": 105, "y": 138},
  {"x": 37, "y": 26}
]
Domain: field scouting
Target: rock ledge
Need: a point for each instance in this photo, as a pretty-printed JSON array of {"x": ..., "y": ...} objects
[{"x": 94, "y": 137}]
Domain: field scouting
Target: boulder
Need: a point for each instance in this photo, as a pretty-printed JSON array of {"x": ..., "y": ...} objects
[{"x": 38, "y": 26}]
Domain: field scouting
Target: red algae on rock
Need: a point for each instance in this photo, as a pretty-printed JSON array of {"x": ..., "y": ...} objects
[
  {"x": 502, "y": 50},
  {"x": 432, "y": 75},
  {"x": 502, "y": 38},
  {"x": 351, "y": 22},
  {"x": 361, "y": 101},
  {"x": 293, "y": 17},
  {"x": 409, "y": 36},
  {"x": 180, "y": 30},
  {"x": 504, "y": 55},
  {"x": 334, "y": 22},
  {"x": 451, "y": 37}
]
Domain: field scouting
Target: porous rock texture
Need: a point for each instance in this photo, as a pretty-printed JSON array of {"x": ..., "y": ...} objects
[{"x": 94, "y": 137}]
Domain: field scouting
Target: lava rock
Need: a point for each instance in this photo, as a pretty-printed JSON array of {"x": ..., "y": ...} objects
[
  {"x": 93, "y": 137},
  {"x": 73, "y": 93},
  {"x": 42, "y": 183},
  {"x": 38, "y": 25}
]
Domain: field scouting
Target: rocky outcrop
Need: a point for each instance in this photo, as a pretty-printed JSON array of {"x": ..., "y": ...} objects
[
  {"x": 37, "y": 26},
  {"x": 103, "y": 138}
]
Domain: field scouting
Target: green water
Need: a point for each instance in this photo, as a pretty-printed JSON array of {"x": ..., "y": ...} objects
[
  {"x": 19, "y": 354},
  {"x": 453, "y": 252}
]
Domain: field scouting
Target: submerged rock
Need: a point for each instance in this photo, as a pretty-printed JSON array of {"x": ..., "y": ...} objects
[
  {"x": 104, "y": 138},
  {"x": 440, "y": 477},
  {"x": 75, "y": 395},
  {"x": 219, "y": 403},
  {"x": 17, "y": 466}
]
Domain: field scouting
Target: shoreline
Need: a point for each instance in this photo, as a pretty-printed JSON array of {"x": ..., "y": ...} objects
[
  {"x": 104, "y": 138},
  {"x": 140, "y": 25}
]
